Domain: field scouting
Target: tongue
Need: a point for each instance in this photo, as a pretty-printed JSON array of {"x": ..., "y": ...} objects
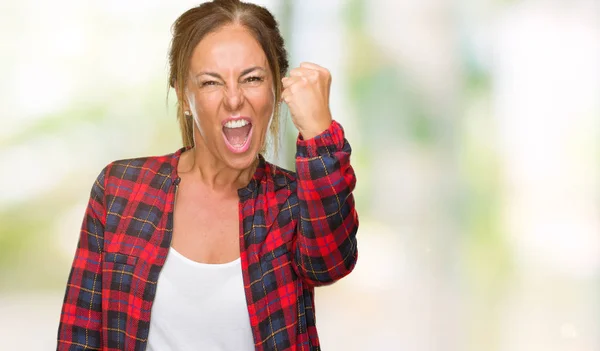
[{"x": 237, "y": 136}]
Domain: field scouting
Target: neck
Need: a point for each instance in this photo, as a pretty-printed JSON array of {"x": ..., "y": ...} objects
[{"x": 199, "y": 164}]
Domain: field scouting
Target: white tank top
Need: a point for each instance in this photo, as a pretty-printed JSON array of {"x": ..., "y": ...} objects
[{"x": 199, "y": 306}]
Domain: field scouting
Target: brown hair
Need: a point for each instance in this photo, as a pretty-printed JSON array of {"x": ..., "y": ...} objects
[{"x": 193, "y": 25}]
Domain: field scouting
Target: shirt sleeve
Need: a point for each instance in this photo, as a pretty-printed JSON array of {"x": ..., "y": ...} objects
[
  {"x": 325, "y": 245},
  {"x": 81, "y": 316}
]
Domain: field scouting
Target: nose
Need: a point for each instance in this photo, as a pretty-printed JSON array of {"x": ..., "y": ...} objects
[{"x": 234, "y": 97}]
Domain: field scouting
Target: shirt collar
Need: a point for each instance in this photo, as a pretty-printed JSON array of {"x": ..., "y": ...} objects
[{"x": 251, "y": 189}]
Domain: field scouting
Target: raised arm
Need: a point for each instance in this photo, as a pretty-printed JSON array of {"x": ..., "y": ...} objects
[
  {"x": 325, "y": 246},
  {"x": 81, "y": 317}
]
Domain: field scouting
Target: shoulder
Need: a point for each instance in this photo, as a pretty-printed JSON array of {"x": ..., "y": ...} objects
[
  {"x": 279, "y": 176},
  {"x": 141, "y": 169}
]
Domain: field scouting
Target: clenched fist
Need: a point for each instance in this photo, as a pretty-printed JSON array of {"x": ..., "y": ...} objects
[{"x": 306, "y": 92}]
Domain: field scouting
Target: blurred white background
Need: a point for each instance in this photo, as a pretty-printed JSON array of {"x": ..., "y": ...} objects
[{"x": 475, "y": 127}]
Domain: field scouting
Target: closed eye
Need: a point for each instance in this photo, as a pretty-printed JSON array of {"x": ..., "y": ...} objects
[
  {"x": 253, "y": 79},
  {"x": 209, "y": 83}
]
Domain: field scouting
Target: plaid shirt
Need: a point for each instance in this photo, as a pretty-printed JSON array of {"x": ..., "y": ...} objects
[{"x": 297, "y": 231}]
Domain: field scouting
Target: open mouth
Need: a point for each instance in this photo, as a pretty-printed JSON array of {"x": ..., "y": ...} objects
[{"x": 237, "y": 134}]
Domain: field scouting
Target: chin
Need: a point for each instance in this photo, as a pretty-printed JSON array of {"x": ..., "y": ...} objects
[{"x": 240, "y": 161}]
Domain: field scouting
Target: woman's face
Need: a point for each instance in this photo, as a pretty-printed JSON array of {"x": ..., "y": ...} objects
[{"x": 230, "y": 94}]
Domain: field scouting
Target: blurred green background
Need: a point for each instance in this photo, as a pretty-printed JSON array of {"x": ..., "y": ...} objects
[{"x": 475, "y": 128}]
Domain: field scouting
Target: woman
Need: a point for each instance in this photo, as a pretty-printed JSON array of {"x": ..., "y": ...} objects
[{"x": 212, "y": 247}]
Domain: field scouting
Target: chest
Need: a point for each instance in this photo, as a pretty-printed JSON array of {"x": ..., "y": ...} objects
[
  {"x": 200, "y": 307},
  {"x": 206, "y": 226},
  {"x": 264, "y": 225}
]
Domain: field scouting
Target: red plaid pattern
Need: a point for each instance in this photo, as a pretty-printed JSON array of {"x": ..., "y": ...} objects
[{"x": 297, "y": 231}]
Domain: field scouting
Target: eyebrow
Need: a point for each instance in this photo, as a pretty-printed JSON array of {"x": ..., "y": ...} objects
[{"x": 244, "y": 72}]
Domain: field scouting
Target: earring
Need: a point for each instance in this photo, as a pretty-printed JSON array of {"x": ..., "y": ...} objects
[{"x": 187, "y": 113}]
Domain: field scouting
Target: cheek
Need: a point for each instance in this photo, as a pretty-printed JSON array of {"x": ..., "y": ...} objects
[
  {"x": 208, "y": 102},
  {"x": 263, "y": 102},
  {"x": 204, "y": 107},
  {"x": 200, "y": 105}
]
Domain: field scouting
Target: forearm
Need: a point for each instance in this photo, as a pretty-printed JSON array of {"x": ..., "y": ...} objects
[{"x": 325, "y": 247}]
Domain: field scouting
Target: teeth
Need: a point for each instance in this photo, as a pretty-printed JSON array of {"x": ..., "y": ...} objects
[{"x": 237, "y": 123}]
